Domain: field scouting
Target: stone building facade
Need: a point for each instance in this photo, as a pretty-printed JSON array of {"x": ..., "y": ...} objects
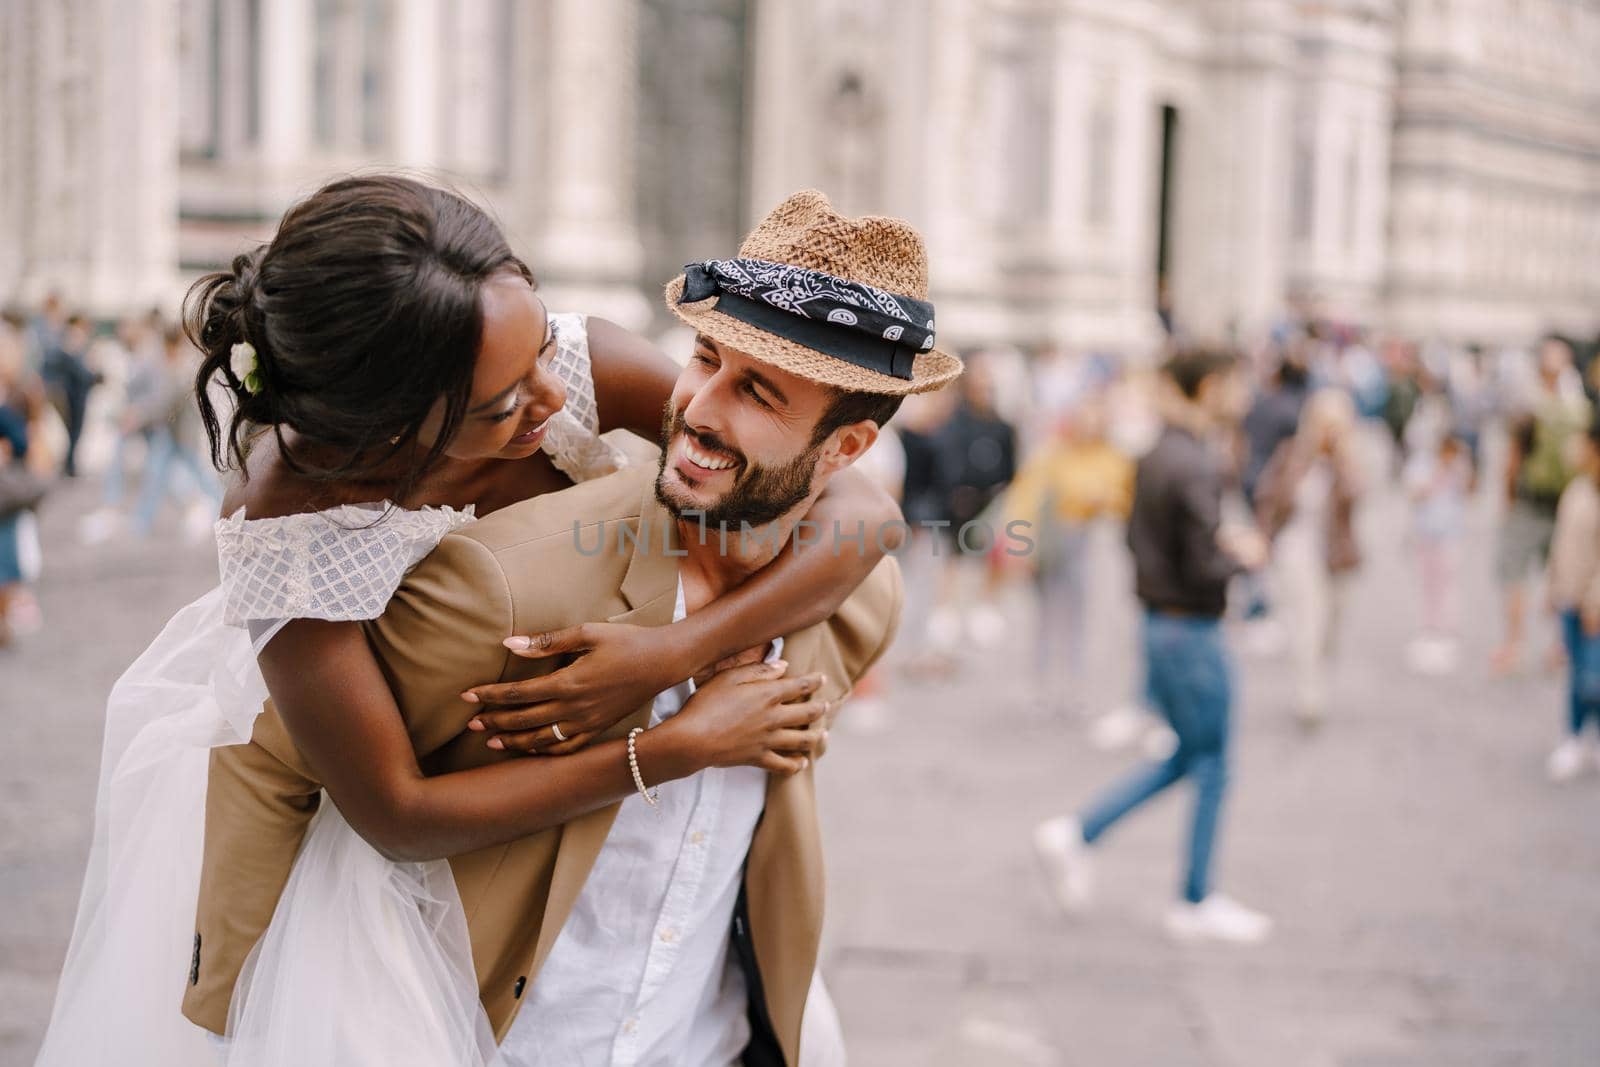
[{"x": 1427, "y": 166}]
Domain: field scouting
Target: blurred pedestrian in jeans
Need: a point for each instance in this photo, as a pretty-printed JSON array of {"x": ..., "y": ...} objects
[
  {"x": 144, "y": 404},
  {"x": 1183, "y": 560},
  {"x": 172, "y": 421},
  {"x": 1072, "y": 482},
  {"x": 69, "y": 380},
  {"x": 1575, "y": 596},
  {"x": 1305, "y": 504},
  {"x": 1536, "y": 474}
]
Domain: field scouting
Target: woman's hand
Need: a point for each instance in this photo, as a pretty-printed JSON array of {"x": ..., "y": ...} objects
[
  {"x": 619, "y": 668},
  {"x": 752, "y": 716}
]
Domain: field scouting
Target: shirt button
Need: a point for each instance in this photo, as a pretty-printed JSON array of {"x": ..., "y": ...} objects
[
  {"x": 697, "y": 838},
  {"x": 631, "y": 1026},
  {"x": 669, "y": 935}
]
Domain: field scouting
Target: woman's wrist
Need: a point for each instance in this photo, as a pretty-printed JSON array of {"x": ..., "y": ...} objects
[
  {"x": 663, "y": 756},
  {"x": 691, "y": 651}
]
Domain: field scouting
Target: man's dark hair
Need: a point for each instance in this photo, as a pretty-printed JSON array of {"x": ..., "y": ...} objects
[
  {"x": 1188, "y": 367},
  {"x": 846, "y": 408}
]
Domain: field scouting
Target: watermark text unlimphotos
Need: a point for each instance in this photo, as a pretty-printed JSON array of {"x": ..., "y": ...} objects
[{"x": 893, "y": 538}]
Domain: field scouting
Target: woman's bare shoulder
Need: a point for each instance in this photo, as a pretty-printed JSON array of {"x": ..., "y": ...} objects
[{"x": 270, "y": 488}]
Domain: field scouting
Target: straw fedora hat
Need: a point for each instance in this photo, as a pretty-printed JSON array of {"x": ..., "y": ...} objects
[{"x": 806, "y": 232}]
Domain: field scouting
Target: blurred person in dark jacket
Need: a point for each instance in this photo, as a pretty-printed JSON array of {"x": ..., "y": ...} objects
[
  {"x": 1183, "y": 560},
  {"x": 976, "y": 457},
  {"x": 1272, "y": 419},
  {"x": 69, "y": 380}
]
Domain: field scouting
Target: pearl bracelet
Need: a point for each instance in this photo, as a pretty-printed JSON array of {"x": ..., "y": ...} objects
[{"x": 651, "y": 796}]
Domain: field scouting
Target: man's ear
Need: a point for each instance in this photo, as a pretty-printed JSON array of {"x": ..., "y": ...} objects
[{"x": 846, "y": 445}]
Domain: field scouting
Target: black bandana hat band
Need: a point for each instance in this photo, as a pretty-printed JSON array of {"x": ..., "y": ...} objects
[{"x": 860, "y": 324}]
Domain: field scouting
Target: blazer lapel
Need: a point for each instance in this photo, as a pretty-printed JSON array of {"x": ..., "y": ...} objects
[{"x": 650, "y": 588}]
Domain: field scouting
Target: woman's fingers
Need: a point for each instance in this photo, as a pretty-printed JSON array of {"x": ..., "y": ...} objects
[
  {"x": 517, "y": 720},
  {"x": 788, "y": 690},
  {"x": 526, "y": 741},
  {"x": 518, "y": 694},
  {"x": 793, "y": 742},
  {"x": 551, "y": 642},
  {"x": 783, "y": 765},
  {"x": 748, "y": 672},
  {"x": 566, "y": 748},
  {"x": 801, "y": 714}
]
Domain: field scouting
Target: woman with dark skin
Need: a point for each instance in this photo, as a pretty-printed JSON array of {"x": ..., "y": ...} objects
[{"x": 332, "y": 696}]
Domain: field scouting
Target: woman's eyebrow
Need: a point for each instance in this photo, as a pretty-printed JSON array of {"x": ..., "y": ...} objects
[{"x": 495, "y": 400}]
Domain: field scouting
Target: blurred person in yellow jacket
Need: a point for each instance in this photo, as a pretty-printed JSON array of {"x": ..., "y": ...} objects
[{"x": 1077, "y": 478}]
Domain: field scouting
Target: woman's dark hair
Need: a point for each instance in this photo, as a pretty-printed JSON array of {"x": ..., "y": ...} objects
[{"x": 364, "y": 310}]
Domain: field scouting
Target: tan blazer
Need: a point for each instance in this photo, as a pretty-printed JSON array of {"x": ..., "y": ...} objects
[{"x": 519, "y": 571}]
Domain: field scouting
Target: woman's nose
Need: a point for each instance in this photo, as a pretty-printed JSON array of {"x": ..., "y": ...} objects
[{"x": 549, "y": 393}]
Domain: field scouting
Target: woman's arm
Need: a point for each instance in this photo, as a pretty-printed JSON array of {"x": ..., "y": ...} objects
[
  {"x": 334, "y": 700},
  {"x": 633, "y": 381}
]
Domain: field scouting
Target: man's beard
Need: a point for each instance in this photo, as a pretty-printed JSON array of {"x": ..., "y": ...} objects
[{"x": 759, "y": 495}]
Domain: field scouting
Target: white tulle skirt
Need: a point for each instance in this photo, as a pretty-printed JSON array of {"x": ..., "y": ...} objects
[{"x": 366, "y": 961}]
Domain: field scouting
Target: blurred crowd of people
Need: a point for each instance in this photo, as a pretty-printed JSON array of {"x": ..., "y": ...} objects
[
  {"x": 1308, "y": 427},
  {"x": 114, "y": 399}
]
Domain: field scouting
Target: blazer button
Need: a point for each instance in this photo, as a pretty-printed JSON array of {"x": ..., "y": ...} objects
[
  {"x": 194, "y": 963},
  {"x": 516, "y": 990}
]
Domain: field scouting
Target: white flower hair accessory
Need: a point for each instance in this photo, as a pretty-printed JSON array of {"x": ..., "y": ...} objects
[{"x": 246, "y": 367}]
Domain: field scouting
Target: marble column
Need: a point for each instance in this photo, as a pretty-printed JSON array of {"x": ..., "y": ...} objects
[
  {"x": 132, "y": 181},
  {"x": 589, "y": 253}
]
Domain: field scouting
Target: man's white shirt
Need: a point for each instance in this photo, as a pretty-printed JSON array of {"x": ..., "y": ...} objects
[{"x": 642, "y": 973}]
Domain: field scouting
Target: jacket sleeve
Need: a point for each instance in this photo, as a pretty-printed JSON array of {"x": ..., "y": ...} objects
[{"x": 442, "y": 633}]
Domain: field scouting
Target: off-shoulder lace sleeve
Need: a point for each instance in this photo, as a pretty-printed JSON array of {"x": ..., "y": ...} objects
[
  {"x": 341, "y": 565},
  {"x": 573, "y": 441}
]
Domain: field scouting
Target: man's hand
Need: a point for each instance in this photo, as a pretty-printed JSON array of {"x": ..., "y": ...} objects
[
  {"x": 1591, "y": 620},
  {"x": 619, "y": 668}
]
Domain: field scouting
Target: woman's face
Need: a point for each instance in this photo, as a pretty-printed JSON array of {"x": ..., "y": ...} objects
[{"x": 514, "y": 390}]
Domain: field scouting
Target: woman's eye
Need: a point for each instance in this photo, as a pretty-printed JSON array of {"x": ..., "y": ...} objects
[{"x": 506, "y": 414}]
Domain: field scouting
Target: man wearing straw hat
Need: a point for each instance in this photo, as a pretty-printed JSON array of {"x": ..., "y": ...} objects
[{"x": 681, "y": 925}]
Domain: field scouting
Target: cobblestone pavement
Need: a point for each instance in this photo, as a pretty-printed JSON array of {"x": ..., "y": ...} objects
[{"x": 1438, "y": 902}]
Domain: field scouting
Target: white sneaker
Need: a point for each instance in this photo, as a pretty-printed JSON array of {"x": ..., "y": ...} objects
[
  {"x": 1218, "y": 918},
  {"x": 1568, "y": 761},
  {"x": 1119, "y": 728},
  {"x": 1064, "y": 855},
  {"x": 1159, "y": 742}
]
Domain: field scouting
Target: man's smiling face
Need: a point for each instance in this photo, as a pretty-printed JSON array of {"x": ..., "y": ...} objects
[{"x": 737, "y": 438}]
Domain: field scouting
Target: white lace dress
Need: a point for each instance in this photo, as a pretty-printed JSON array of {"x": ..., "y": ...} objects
[{"x": 355, "y": 936}]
